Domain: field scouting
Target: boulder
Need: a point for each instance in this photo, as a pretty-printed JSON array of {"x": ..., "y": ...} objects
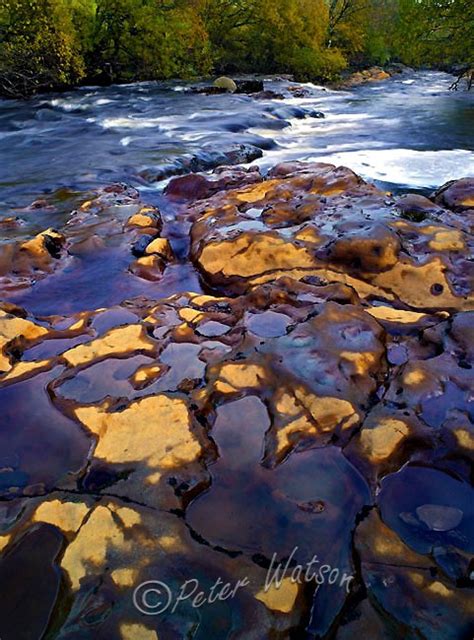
[
  {"x": 225, "y": 83},
  {"x": 268, "y": 94},
  {"x": 298, "y": 91},
  {"x": 249, "y": 86},
  {"x": 456, "y": 194},
  {"x": 209, "y": 157},
  {"x": 374, "y": 74},
  {"x": 397, "y": 67}
]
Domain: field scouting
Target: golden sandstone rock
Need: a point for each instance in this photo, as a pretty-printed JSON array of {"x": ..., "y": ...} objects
[
  {"x": 146, "y": 374},
  {"x": 117, "y": 342},
  {"x": 4, "y": 540},
  {"x": 14, "y": 328},
  {"x": 148, "y": 267},
  {"x": 147, "y": 217},
  {"x": 67, "y": 516},
  {"x": 43, "y": 246},
  {"x": 112, "y": 218},
  {"x": 380, "y": 442},
  {"x": 374, "y": 74},
  {"x": 456, "y": 195},
  {"x": 330, "y": 355},
  {"x": 24, "y": 369},
  {"x": 99, "y": 534},
  {"x": 162, "y": 247},
  {"x": 137, "y": 632},
  {"x": 368, "y": 246},
  {"x": 280, "y": 598},
  {"x": 125, "y": 436},
  {"x": 249, "y": 256}
]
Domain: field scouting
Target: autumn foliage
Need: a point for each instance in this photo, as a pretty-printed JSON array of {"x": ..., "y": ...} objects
[{"x": 48, "y": 44}]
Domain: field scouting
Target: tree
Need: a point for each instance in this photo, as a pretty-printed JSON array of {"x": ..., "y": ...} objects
[
  {"x": 272, "y": 36},
  {"x": 39, "y": 48},
  {"x": 147, "y": 40},
  {"x": 48, "y": 44},
  {"x": 381, "y": 23},
  {"x": 437, "y": 32},
  {"x": 342, "y": 11}
]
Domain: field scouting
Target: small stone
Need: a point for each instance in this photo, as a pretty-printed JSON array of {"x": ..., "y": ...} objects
[
  {"x": 397, "y": 354},
  {"x": 314, "y": 506}
]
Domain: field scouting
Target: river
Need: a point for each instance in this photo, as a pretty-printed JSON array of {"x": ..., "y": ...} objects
[{"x": 409, "y": 132}]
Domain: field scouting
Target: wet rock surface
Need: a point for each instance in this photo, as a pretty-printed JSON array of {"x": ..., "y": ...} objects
[
  {"x": 271, "y": 373},
  {"x": 324, "y": 222},
  {"x": 374, "y": 74},
  {"x": 228, "y": 85}
]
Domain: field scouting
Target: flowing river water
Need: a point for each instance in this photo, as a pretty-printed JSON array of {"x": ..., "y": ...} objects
[{"x": 409, "y": 132}]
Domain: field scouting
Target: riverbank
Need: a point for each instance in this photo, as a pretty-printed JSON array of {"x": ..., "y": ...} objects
[{"x": 365, "y": 74}]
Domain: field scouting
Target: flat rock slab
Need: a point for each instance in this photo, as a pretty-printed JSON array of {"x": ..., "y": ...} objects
[
  {"x": 309, "y": 400},
  {"x": 324, "y": 221}
]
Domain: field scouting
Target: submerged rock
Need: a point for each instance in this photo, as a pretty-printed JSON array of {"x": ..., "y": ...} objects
[
  {"x": 268, "y": 94},
  {"x": 408, "y": 588},
  {"x": 29, "y": 574},
  {"x": 208, "y": 158},
  {"x": 250, "y": 86},
  {"x": 110, "y": 221}
]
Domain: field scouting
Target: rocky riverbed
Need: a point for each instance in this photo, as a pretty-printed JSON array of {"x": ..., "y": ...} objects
[{"x": 266, "y": 370}]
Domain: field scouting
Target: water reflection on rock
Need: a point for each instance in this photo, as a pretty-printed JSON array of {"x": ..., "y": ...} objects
[{"x": 294, "y": 382}]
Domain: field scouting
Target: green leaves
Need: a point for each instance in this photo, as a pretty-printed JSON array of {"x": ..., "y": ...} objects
[
  {"x": 55, "y": 43},
  {"x": 39, "y": 48}
]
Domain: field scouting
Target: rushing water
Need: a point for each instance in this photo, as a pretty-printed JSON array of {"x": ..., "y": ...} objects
[{"x": 409, "y": 131}]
